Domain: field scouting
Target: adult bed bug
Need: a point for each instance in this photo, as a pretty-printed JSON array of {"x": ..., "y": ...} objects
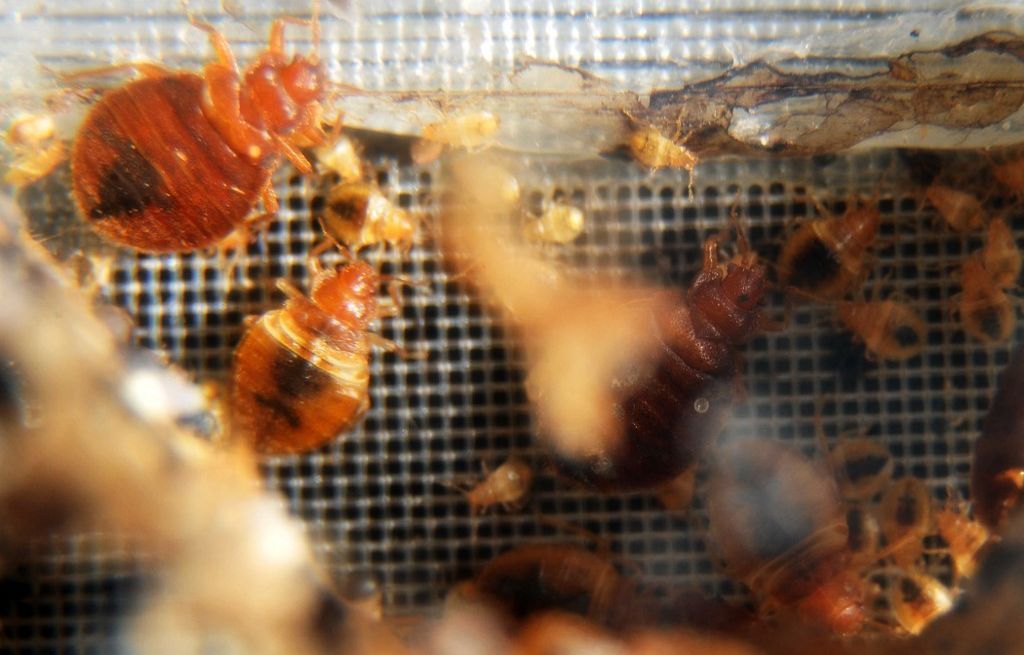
[
  {"x": 301, "y": 373},
  {"x": 672, "y": 406},
  {"x": 175, "y": 161}
]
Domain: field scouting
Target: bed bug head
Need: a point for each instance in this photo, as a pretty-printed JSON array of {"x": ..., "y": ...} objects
[
  {"x": 862, "y": 221},
  {"x": 349, "y": 294},
  {"x": 745, "y": 280}
]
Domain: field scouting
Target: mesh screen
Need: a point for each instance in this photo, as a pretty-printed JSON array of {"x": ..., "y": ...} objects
[{"x": 380, "y": 499}]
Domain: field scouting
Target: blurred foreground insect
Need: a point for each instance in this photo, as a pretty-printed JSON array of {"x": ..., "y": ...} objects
[
  {"x": 777, "y": 520},
  {"x": 301, "y": 373},
  {"x": 175, "y": 161},
  {"x": 673, "y": 407},
  {"x": 470, "y": 131},
  {"x": 36, "y": 150},
  {"x": 557, "y": 222},
  {"x": 826, "y": 258}
]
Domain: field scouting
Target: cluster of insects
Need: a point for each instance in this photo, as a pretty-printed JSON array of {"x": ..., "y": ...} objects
[{"x": 176, "y": 161}]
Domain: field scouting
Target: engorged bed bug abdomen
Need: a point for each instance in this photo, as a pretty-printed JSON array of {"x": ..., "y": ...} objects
[
  {"x": 301, "y": 373},
  {"x": 174, "y": 161}
]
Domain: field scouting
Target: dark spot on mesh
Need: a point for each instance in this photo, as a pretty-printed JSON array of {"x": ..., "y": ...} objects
[
  {"x": 129, "y": 186},
  {"x": 814, "y": 267},
  {"x": 906, "y": 336}
]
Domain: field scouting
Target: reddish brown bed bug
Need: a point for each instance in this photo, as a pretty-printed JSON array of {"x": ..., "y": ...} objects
[
  {"x": 961, "y": 211},
  {"x": 537, "y": 578},
  {"x": 964, "y": 536},
  {"x": 997, "y": 473},
  {"x": 889, "y": 329},
  {"x": 1000, "y": 255},
  {"x": 778, "y": 523},
  {"x": 672, "y": 408},
  {"x": 905, "y": 516},
  {"x": 986, "y": 311},
  {"x": 175, "y": 161},
  {"x": 826, "y": 258},
  {"x": 357, "y": 214},
  {"x": 36, "y": 151},
  {"x": 301, "y": 373},
  {"x": 1010, "y": 174},
  {"x": 506, "y": 485},
  {"x": 862, "y": 466},
  {"x": 916, "y": 599}
]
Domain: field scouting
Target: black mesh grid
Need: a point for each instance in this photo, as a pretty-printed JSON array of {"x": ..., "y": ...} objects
[{"x": 380, "y": 500}]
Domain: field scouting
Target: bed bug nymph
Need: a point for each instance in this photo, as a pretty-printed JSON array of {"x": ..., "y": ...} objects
[
  {"x": 175, "y": 161},
  {"x": 826, "y": 258},
  {"x": 301, "y": 373}
]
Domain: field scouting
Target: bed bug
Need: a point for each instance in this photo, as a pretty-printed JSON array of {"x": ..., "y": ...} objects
[
  {"x": 654, "y": 150},
  {"x": 826, "y": 258},
  {"x": 1010, "y": 174},
  {"x": 357, "y": 214},
  {"x": 997, "y": 472},
  {"x": 862, "y": 535},
  {"x": 301, "y": 373},
  {"x": 964, "y": 536},
  {"x": 778, "y": 523},
  {"x": 916, "y": 599},
  {"x": 986, "y": 311},
  {"x": 470, "y": 131},
  {"x": 961, "y": 211},
  {"x": 863, "y": 467},
  {"x": 888, "y": 328},
  {"x": 532, "y": 579},
  {"x": 341, "y": 157},
  {"x": 557, "y": 222},
  {"x": 1000, "y": 255},
  {"x": 905, "y": 516},
  {"x": 36, "y": 150},
  {"x": 672, "y": 407},
  {"x": 175, "y": 161},
  {"x": 506, "y": 485}
]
